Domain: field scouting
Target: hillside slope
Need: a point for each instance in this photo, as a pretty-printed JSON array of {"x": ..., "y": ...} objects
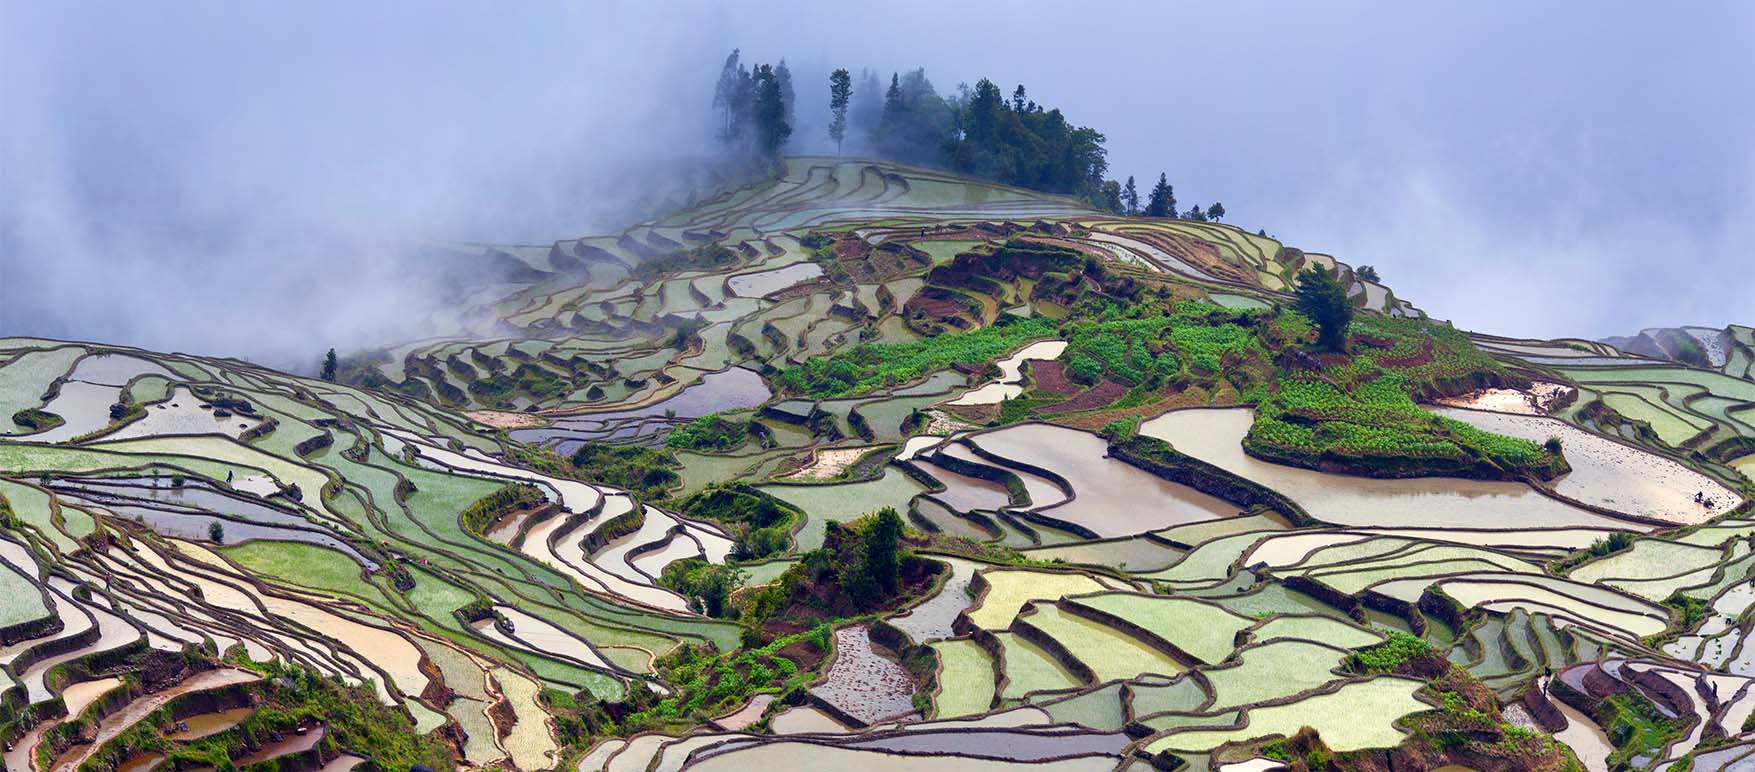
[{"x": 871, "y": 465}]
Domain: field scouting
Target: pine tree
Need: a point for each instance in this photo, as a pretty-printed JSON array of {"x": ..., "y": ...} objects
[
  {"x": 329, "y": 365},
  {"x": 1018, "y": 99},
  {"x": 1163, "y": 199},
  {"x": 1322, "y": 298},
  {"x": 1216, "y": 212},
  {"x": 787, "y": 96},
  {"x": 769, "y": 113},
  {"x": 840, "y": 93},
  {"x": 868, "y": 110},
  {"x": 1130, "y": 196},
  {"x": 725, "y": 93},
  {"x": 892, "y": 101},
  {"x": 883, "y": 552},
  {"x": 743, "y": 102},
  {"x": 1112, "y": 197},
  {"x": 1195, "y": 214}
]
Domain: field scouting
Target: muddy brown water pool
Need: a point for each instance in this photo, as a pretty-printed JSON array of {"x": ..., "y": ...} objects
[
  {"x": 209, "y": 724},
  {"x": 1216, "y": 436},
  {"x": 292, "y": 743},
  {"x": 1019, "y": 746},
  {"x": 144, "y": 762},
  {"x": 964, "y": 493},
  {"x": 1112, "y": 497}
]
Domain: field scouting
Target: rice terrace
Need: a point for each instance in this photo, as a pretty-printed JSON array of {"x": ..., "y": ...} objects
[{"x": 933, "y": 457}]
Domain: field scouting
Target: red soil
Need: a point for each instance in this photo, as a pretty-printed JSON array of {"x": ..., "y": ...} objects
[
  {"x": 1050, "y": 376},
  {"x": 1103, "y": 394}
]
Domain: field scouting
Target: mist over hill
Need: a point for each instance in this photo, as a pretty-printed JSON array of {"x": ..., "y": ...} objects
[{"x": 200, "y": 156}]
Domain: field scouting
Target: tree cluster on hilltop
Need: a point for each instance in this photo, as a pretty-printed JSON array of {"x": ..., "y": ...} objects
[
  {"x": 977, "y": 131},
  {"x": 756, "y": 106}
]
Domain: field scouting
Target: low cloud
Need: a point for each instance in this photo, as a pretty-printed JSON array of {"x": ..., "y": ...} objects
[
  {"x": 1551, "y": 273},
  {"x": 240, "y": 181},
  {"x": 261, "y": 180}
]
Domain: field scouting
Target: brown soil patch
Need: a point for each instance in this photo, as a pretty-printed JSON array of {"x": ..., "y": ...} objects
[
  {"x": 1050, "y": 376},
  {"x": 828, "y": 463},
  {"x": 1104, "y": 393},
  {"x": 1538, "y": 399},
  {"x": 500, "y": 419},
  {"x": 1193, "y": 396}
]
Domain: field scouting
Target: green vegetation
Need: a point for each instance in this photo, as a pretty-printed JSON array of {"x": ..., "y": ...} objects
[
  {"x": 868, "y": 367},
  {"x": 1389, "y": 655},
  {"x": 526, "y": 379},
  {"x": 1691, "y": 610},
  {"x": 708, "y": 584},
  {"x": 1162, "y": 200},
  {"x": 756, "y": 106},
  {"x": 1010, "y": 595},
  {"x": 297, "y": 696},
  {"x": 705, "y": 684},
  {"x": 306, "y": 565},
  {"x": 1636, "y": 727},
  {"x": 1322, "y": 298},
  {"x": 481, "y": 515},
  {"x": 761, "y": 524},
  {"x": 1608, "y": 545},
  {"x": 1360, "y": 416},
  {"x": 37, "y": 420},
  {"x": 1152, "y": 344},
  {"x": 704, "y": 258},
  {"x": 709, "y": 433},
  {"x": 645, "y": 472},
  {"x": 840, "y": 94},
  {"x": 862, "y": 567}
]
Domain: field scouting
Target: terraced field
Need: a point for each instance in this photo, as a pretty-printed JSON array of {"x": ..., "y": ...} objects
[{"x": 606, "y": 523}]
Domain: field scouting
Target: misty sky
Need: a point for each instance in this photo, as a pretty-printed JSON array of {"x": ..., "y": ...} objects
[{"x": 245, "y": 178}]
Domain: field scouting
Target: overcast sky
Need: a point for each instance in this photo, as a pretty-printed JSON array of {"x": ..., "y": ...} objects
[{"x": 225, "y": 177}]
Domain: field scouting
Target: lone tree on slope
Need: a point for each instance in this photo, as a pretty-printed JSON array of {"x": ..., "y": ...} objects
[
  {"x": 1112, "y": 197},
  {"x": 883, "y": 556},
  {"x": 1163, "y": 199},
  {"x": 840, "y": 94},
  {"x": 1324, "y": 300},
  {"x": 329, "y": 365}
]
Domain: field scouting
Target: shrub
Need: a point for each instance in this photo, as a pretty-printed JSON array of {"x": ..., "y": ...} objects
[
  {"x": 711, "y": 432},
  {"x": 1390, "y": 654},
  {"x": 871, "y": 366},
  {"x": 645, "y": 472},
  {"x": 761, "y": 523},
  {"x": 37, "y": 420},
  {"x": 482, "y": 514}
]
